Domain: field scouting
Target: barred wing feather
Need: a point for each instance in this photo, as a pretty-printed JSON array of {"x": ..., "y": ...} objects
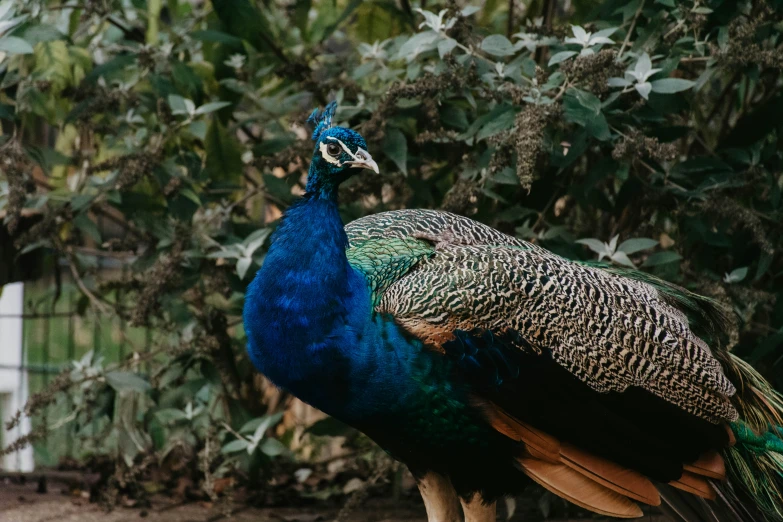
[{"x": 609, "y": 331}]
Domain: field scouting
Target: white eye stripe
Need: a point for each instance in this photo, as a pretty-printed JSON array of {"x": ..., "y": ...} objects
[
  {"x": 328, "y": 157},
  {"x": 360, "y": 154}
]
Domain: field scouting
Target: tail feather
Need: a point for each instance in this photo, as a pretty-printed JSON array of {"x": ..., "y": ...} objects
[
  {"x": 684, "y": 507},
  {"x": 755, "y": 463}
]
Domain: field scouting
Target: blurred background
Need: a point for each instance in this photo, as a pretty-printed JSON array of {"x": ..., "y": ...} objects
[{"x": 148, "y": 148}]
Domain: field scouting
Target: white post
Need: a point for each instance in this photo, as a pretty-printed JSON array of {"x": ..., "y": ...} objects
[{"x": 13, "y": 379}]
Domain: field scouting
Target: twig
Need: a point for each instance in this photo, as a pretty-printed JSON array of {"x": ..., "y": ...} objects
[
  {"x": 547, "y": 12},
  {"x": 234, "y": 433},
  {"x": 561, "y": 92},
  {"x": 510, "y": 25},
  {"x": 630, "y": 30},
  {"x": 406, "y": 6},
  {"x": 96, "y": 303},
  {"x": 253, "y": 193},
  {"x": 677, "y": 26},
  {"x": 544, "y": 211}
]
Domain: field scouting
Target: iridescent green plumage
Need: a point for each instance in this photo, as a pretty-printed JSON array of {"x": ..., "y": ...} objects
[{"x": 384, "y": 261}]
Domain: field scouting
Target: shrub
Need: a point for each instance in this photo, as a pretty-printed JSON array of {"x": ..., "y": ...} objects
[{"x": 647, "y": 130}]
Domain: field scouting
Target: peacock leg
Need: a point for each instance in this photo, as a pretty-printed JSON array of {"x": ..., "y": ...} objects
[
  {"x": 477, "y": 511},
  {"x": 440, "y": 499}
]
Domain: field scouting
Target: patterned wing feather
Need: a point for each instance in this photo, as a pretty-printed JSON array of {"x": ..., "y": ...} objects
[{"x": 610, "y": 331}]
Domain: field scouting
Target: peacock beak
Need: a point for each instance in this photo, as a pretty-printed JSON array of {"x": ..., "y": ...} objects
[{"x": 363, "y": 160}]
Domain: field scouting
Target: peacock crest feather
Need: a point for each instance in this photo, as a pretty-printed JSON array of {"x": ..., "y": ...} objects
[{"x": 322, "y": 120}]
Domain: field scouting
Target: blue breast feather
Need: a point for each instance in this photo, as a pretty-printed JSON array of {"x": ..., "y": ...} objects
[{"x": 311, "y": 328}]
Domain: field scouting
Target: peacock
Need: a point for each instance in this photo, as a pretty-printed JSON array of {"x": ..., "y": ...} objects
[{"x": 484, "y": 362}]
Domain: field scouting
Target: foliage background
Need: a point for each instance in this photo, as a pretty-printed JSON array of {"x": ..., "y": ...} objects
[{"x": 167, "y": 137}]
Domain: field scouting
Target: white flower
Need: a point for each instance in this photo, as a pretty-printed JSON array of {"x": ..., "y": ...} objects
[
  {"x": 236, "y": 61},
  {"x": 528, "y": 41},
  {"x": 587, "y": 40},
  {"x": 641, "y": 72},
  {"x": 166, "y": 48},
  {"x": 436, "y": 22},
  {"x": 638, "y": 76},
  {"x": 376, "y": 51},
  {"x": 131, "y": 117}
]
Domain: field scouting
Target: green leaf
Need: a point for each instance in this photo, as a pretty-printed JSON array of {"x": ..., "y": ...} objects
[
  {"x": 561, "y": 57},
  {"x": 111, "y": 68},
  {"x": 235, "y": 446},
  {"x": 502, "y": 122},
  {"x": 216, "y": 37},
  {"x": 621, "y": 258},
  {"x": 446, "y": 46},
  {"x": 224, "y": 161},
  {"x": 587, "y": 100},
  {"x": 497, "y": 45},
  {"x": 170, "y": 415},
  {"x": 585, "y": 109},
  {"x": 272, "y": 447},
  {"x": 454, "y": 117},
  {"x": 631, "y": 246},
  {"x": 595, "y": 245},
  {"x": 396, "y": 148},
  {"x": 417, "y": 44},
  {"x": 268, "y": 420},
  {"x": 87, "y": 226},
  {"x": 212, "y": 107},
  {"x": 662, "y": 258},
  {"x": 177, "y": 104},
  {"x": 671, "y": 85},
  {"x": 350, "y": 8},
  {"x": 507, "y": 176},
  {"x": 485, "y": 118},
  {"x": 127, "y": 381},
  {"x": 241, "y": 18},
  {"x": 15, "y": 45},
  {"x": 736, "y": 275},
  {"x": 243, "y": 264},
  {"x": 53, "y": 63}
]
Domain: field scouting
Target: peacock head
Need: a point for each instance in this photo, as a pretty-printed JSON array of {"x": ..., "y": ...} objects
[{"x": 339, "y": 153}]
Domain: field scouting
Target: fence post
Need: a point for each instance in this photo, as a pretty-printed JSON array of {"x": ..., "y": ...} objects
[{"x": 13, "y": 376}]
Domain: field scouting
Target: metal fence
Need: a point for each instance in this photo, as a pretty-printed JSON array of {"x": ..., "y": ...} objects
[{"x": 55, "y": 331}]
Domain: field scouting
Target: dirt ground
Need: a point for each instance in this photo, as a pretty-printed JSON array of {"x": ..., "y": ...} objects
[{"x": 21, "y": 503}]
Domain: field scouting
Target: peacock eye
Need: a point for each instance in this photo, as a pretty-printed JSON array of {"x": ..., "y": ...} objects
[{"x": 333, "y": 150}]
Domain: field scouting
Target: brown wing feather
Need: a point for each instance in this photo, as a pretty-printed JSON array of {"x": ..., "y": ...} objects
[
  {"x": 579, "y": 489},
  {"x": 542, "y": 446},
  {"x": 695, "y": 485},
  {"x": 535, "y": 439},
  {"x": 710, "y": 464},
  {"x": 617, "y": 478}
]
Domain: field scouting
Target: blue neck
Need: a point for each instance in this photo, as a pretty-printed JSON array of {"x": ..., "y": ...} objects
[
  {"x": 310, "y": 324},
  {"x": 322, "y": 184},
  {"x": 303, "y": 280}
]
